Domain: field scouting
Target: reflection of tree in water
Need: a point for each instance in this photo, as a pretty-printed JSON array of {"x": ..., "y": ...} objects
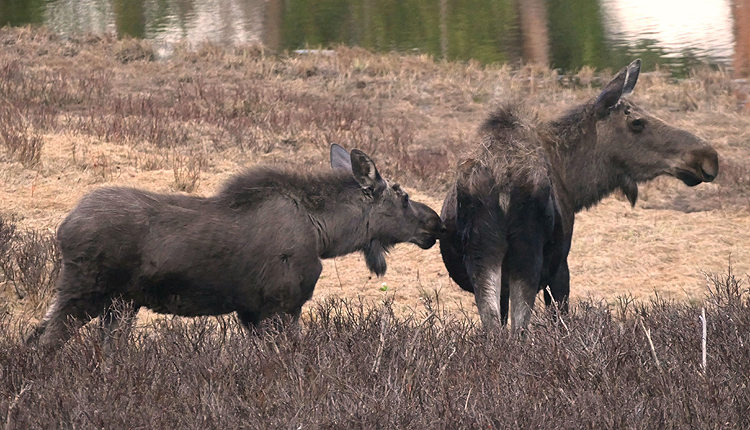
[
  {"x": 129, "y": 17},
  {"x": 218, "y": 21},
  {"x": 485, "y": 30},
  {"x": 77, "y": 16},
  {"x": 20, "y": 12},
  {"x": 577, "y": 34},
  {"x": 741, "y": 14},
  {"x": 481, "y": 29}
]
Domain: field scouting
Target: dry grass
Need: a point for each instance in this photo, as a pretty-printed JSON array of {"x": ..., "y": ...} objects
[
  {"x": 359, "y": 365},
  {"x": 90, "y": 111}
]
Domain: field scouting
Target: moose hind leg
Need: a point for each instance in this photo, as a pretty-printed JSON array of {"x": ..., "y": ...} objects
[
  {"x": 504, "y": 298},
  {"x": 524, "y": 265},
  {"x": 484, "y": 265},
  {"x": 487, "y": 291}
]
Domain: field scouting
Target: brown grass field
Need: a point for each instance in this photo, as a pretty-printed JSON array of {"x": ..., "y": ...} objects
[{"x": 84, "y": 112}]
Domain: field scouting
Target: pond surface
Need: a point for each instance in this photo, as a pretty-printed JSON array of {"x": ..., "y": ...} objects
[
  {"x": 703, "y": 27},
  {"x": 596, "y": 32}
]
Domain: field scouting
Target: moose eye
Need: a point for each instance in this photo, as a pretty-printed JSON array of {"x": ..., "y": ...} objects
[{"x": 637, "y": 125}]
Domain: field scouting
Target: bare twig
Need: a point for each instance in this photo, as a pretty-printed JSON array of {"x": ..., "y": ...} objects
[
  {"x": 341, "y": 285},
  {"x": 703, "y": 343},
  {"x": 557, "y": 310},
  {"x": 384, "y": 320},
  {"x": 651, "y": 343},
  {"x": 10, "y": 421}
]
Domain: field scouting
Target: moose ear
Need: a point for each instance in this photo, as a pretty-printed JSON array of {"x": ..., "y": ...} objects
[
  {"x": 623, "y": 83},
  {"x": 365, "y": 172},
  {"x": 340, "y": 159},
  {"x": 634, "y": 69}
]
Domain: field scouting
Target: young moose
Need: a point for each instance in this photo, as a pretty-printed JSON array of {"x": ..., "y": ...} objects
[
  {"x": 254, "y": 248},
  {"x": 510, "y": 214}
]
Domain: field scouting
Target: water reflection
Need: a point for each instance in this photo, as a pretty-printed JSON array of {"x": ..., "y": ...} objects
[
  {"x": 698, "y": 28},
  {"x": 220, "y": 21},
  {"x": 20, "y": 12},
  {"x": 601, "y": 33},
  {"x": 75, "y": 16}
]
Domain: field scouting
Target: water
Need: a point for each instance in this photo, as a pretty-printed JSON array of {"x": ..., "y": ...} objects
[
  {"x": 601, "y": 33},
  {"x": 679, "y": 27}
]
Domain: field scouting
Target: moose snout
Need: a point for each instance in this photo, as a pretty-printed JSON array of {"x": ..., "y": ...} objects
[
  {"x": 430, "y": 230},
  {"x": 710, "y": 165},
  {"x": 436, "y": 227},
  {"x": 705, "y": 162},
  {"x": 699, "y": 165}
]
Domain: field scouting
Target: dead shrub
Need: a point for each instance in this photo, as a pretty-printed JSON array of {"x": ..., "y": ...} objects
[
  {"x": 20, "y": 138},
  {"x": 129, "y": 50},
  {"x": 102, "y": 167},
  {"x": 29, "y": 261},
  {"x": 187, "y": 170},
  {"x": 356, "y": 364},
  {"x": 147, "y": 161}
]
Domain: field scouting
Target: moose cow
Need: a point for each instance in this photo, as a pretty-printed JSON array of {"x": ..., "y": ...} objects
[
  {"x": 510, "y": 213},
  {"x": 254, "y": 248}
]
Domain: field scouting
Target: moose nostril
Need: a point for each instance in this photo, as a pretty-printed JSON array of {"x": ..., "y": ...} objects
[
  {"x": 709, "y": 169},
  {"x": 707, "y": 176}
]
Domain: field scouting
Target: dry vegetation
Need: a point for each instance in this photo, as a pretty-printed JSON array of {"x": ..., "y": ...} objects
[
  {"x": 358, "y": 365},
  {"x": 79, "y": 113}
]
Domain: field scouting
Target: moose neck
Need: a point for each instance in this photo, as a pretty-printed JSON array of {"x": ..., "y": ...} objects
[
  {"x": 343, "y": 226},
  {"x": 587, "y": 174}
]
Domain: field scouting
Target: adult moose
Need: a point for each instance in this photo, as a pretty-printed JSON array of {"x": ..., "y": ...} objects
[
  {"x": 510, "y": 214},
  {"x": 254, "y": 248}
]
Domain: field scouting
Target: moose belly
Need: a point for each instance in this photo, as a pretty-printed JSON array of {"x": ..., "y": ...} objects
[{"x": 180, "y": 296}]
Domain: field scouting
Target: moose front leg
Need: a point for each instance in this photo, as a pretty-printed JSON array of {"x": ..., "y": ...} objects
[
  {"x": 118, "y": 319},
  {"x": 560, "y": 288}
]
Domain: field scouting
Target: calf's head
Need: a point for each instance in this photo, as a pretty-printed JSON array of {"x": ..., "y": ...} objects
[
  {"x": 392, "y": 217},
  {"x": 641, "y": 146}
]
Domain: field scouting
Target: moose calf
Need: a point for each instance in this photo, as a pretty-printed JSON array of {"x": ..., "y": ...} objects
[{"x": 254, "y": 248}]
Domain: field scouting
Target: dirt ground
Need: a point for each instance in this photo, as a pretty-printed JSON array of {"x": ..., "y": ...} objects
[
  {"x": 414, "y": 115},
  {"x": 617, "y": 250}
]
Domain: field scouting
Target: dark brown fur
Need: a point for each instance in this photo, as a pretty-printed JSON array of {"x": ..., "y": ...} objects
[
  {"x": 254, "y": 248},
  {"x": 510, "y": 214}
]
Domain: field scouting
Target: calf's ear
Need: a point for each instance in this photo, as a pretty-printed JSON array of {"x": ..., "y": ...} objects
[
  {"x": 365, "y": 172},
  {"x": 634, "y": 69},
  {"x": 621, "y": 84},
  {"x": 340, "y": 159}
]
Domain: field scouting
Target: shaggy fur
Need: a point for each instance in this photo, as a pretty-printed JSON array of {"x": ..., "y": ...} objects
[
  {"x": 254, "y": 248},
  {"x": 510, "y": 213}
]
